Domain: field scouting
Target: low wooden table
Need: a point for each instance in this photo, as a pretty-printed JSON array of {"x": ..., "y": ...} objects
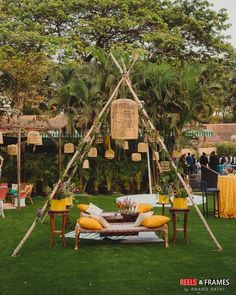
[
  {"x": 129, "y": 217},
  {"x": 174, "y": 212},
  {"x": 65, "y": 218},
  {"x": 116, "y": 216}
]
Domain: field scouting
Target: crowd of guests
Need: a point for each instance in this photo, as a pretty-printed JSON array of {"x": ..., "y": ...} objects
[{"x": 188, "y": 164}]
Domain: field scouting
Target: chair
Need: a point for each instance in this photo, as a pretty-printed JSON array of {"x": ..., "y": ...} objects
[
  {"x": 208, "y": 192},
  {"x": 24, "y": 193},
  {"x": 3, "y": 194},
  {"x": 29, "y": 189},
  {"x": 26, "y": 189}
]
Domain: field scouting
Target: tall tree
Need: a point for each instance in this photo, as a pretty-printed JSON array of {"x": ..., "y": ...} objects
[{"x": 163, "y": 28}]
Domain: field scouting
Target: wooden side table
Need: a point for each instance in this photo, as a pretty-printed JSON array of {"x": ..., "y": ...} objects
[
  {"x": 174, "y": 212},
  {"x": 163, "y": 206},
  {"x": 65, "y": 218}
]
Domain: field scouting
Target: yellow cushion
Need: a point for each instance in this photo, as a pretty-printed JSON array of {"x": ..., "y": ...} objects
[
  {"x": 155, "y": 221},
  {"x": 89, "y": 223},
  {"x": 142, "y": 208},
  {"x": 82, "y": 207}
]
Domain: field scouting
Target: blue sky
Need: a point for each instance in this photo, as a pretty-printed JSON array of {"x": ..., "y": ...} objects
[{"x": 230, "y": 5}]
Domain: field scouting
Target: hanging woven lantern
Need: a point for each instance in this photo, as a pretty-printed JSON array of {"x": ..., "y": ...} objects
[
  {"x": 86, "y": 164},
  {"x": 155, "y": 156},
  {"x": 12, "y": 149},
  {"x": 109, "y": 154},
  {"x": 69, "y": 148},
  {"x": 125, "y": 145},
  {"x": 34, "y": 137},
  {"x": 165, "y": 166},
  {"x": 142, "y": 147},
  {"x": 136, "y": 157},
  {"x": 124, "y": 119},
  {"x": 1, "y": 138},
  {"x": 93, "y": 153}
]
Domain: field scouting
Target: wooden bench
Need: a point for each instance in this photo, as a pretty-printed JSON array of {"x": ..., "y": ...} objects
[{"x": 121, "y": 229}]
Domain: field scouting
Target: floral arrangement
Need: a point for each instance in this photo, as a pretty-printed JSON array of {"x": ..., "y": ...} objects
[
  {"x": 65, "y": 190},
  {"x": 126, "y": 206}
]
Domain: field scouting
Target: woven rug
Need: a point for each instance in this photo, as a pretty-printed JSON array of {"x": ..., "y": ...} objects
[{"x": 142, "y": 237}]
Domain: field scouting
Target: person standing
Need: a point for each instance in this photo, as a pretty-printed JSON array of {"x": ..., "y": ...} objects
[
  {"x": 204, "y": 162},
  {"x": 214, "y": 161},
  {"x": 189, "y": 161},
  {"x": 194, "y": 166}
]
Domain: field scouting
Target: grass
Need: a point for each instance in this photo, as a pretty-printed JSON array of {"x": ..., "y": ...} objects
[{"x": 108, "y": 267}]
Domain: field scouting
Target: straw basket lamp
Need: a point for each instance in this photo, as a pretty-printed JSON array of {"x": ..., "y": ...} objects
[
  {"x": 125, "y": 145},
  {"x": 34, "y": 137},
  {"x": 12, "y": 149},
  {"x": 1, "y": 138},
  {"x": 136, "y": 157},
  {"x": 155, "y": 156},
  {"x": 109, "y": 154},
  {"x": 142, "y": 147},
  {"x": 165, "y": 166},
  {"x": 93, "y": 153},
  {"x": 85, "y": 164},
  {"x": 124, "y": 119},
  {"x": 69, "y": 148}
]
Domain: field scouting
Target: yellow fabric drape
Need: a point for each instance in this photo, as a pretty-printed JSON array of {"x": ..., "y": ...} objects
[{"x": 227, "y": 197}]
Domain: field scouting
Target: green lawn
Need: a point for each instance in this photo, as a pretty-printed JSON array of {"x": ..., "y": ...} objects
[{"x": 109, "y": 267}]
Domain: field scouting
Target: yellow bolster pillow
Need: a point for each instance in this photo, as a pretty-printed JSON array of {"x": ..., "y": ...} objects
[
  {"x": 155, "y": 221},
  {"x": 82, "y": 207},
  {"x": 142, "y": 208},
  {"x": 89, "y": 223}
]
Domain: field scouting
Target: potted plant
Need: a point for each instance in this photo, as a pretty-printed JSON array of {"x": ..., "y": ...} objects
[
  {"x": 180, "y": 200},
  {"x": 164, "y": 193},
  {"x": 63, "y": 197}
]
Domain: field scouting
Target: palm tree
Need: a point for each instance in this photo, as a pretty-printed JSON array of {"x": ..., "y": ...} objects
[{"x": 174, "y": 95}]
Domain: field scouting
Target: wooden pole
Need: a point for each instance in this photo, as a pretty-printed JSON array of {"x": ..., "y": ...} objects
[
  {"x": 146, "y": 117},
  {"x": 18, "y": 166},
  {"x": 59, "y": 152},
  {"x": 149, "y": 171},
  {"x": 76, "y": 154}
]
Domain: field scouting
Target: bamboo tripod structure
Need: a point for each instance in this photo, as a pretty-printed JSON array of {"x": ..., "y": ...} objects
[{"x": 86, "y": 140}]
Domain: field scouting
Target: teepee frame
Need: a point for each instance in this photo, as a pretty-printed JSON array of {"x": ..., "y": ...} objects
[{"x": 90, "y": 137}]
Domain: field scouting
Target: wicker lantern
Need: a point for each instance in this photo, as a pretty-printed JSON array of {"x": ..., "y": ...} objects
[
  {"x": 165, "y": 166},
  {"x": 109, "y": 154},
  {"x": 34, "y": 137},
  {"x": 142, "y": 147},
  {"x": 1, "y": 138},
  {"x": 124, "y": 119},
  {"x": 86, "y": 164},
  {"x": 69, "y": 148},
  {"x": 12, "y": 149},
  {"x": 155, "y": 156},
  {"x": 93, "y": 153},
  {"x": 136, "y": 157},
  {"x": 125, "y": 145}
]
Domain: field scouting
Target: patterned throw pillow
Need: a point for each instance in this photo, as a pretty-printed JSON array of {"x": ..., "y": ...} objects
[{"x": 93, "y": 209}]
